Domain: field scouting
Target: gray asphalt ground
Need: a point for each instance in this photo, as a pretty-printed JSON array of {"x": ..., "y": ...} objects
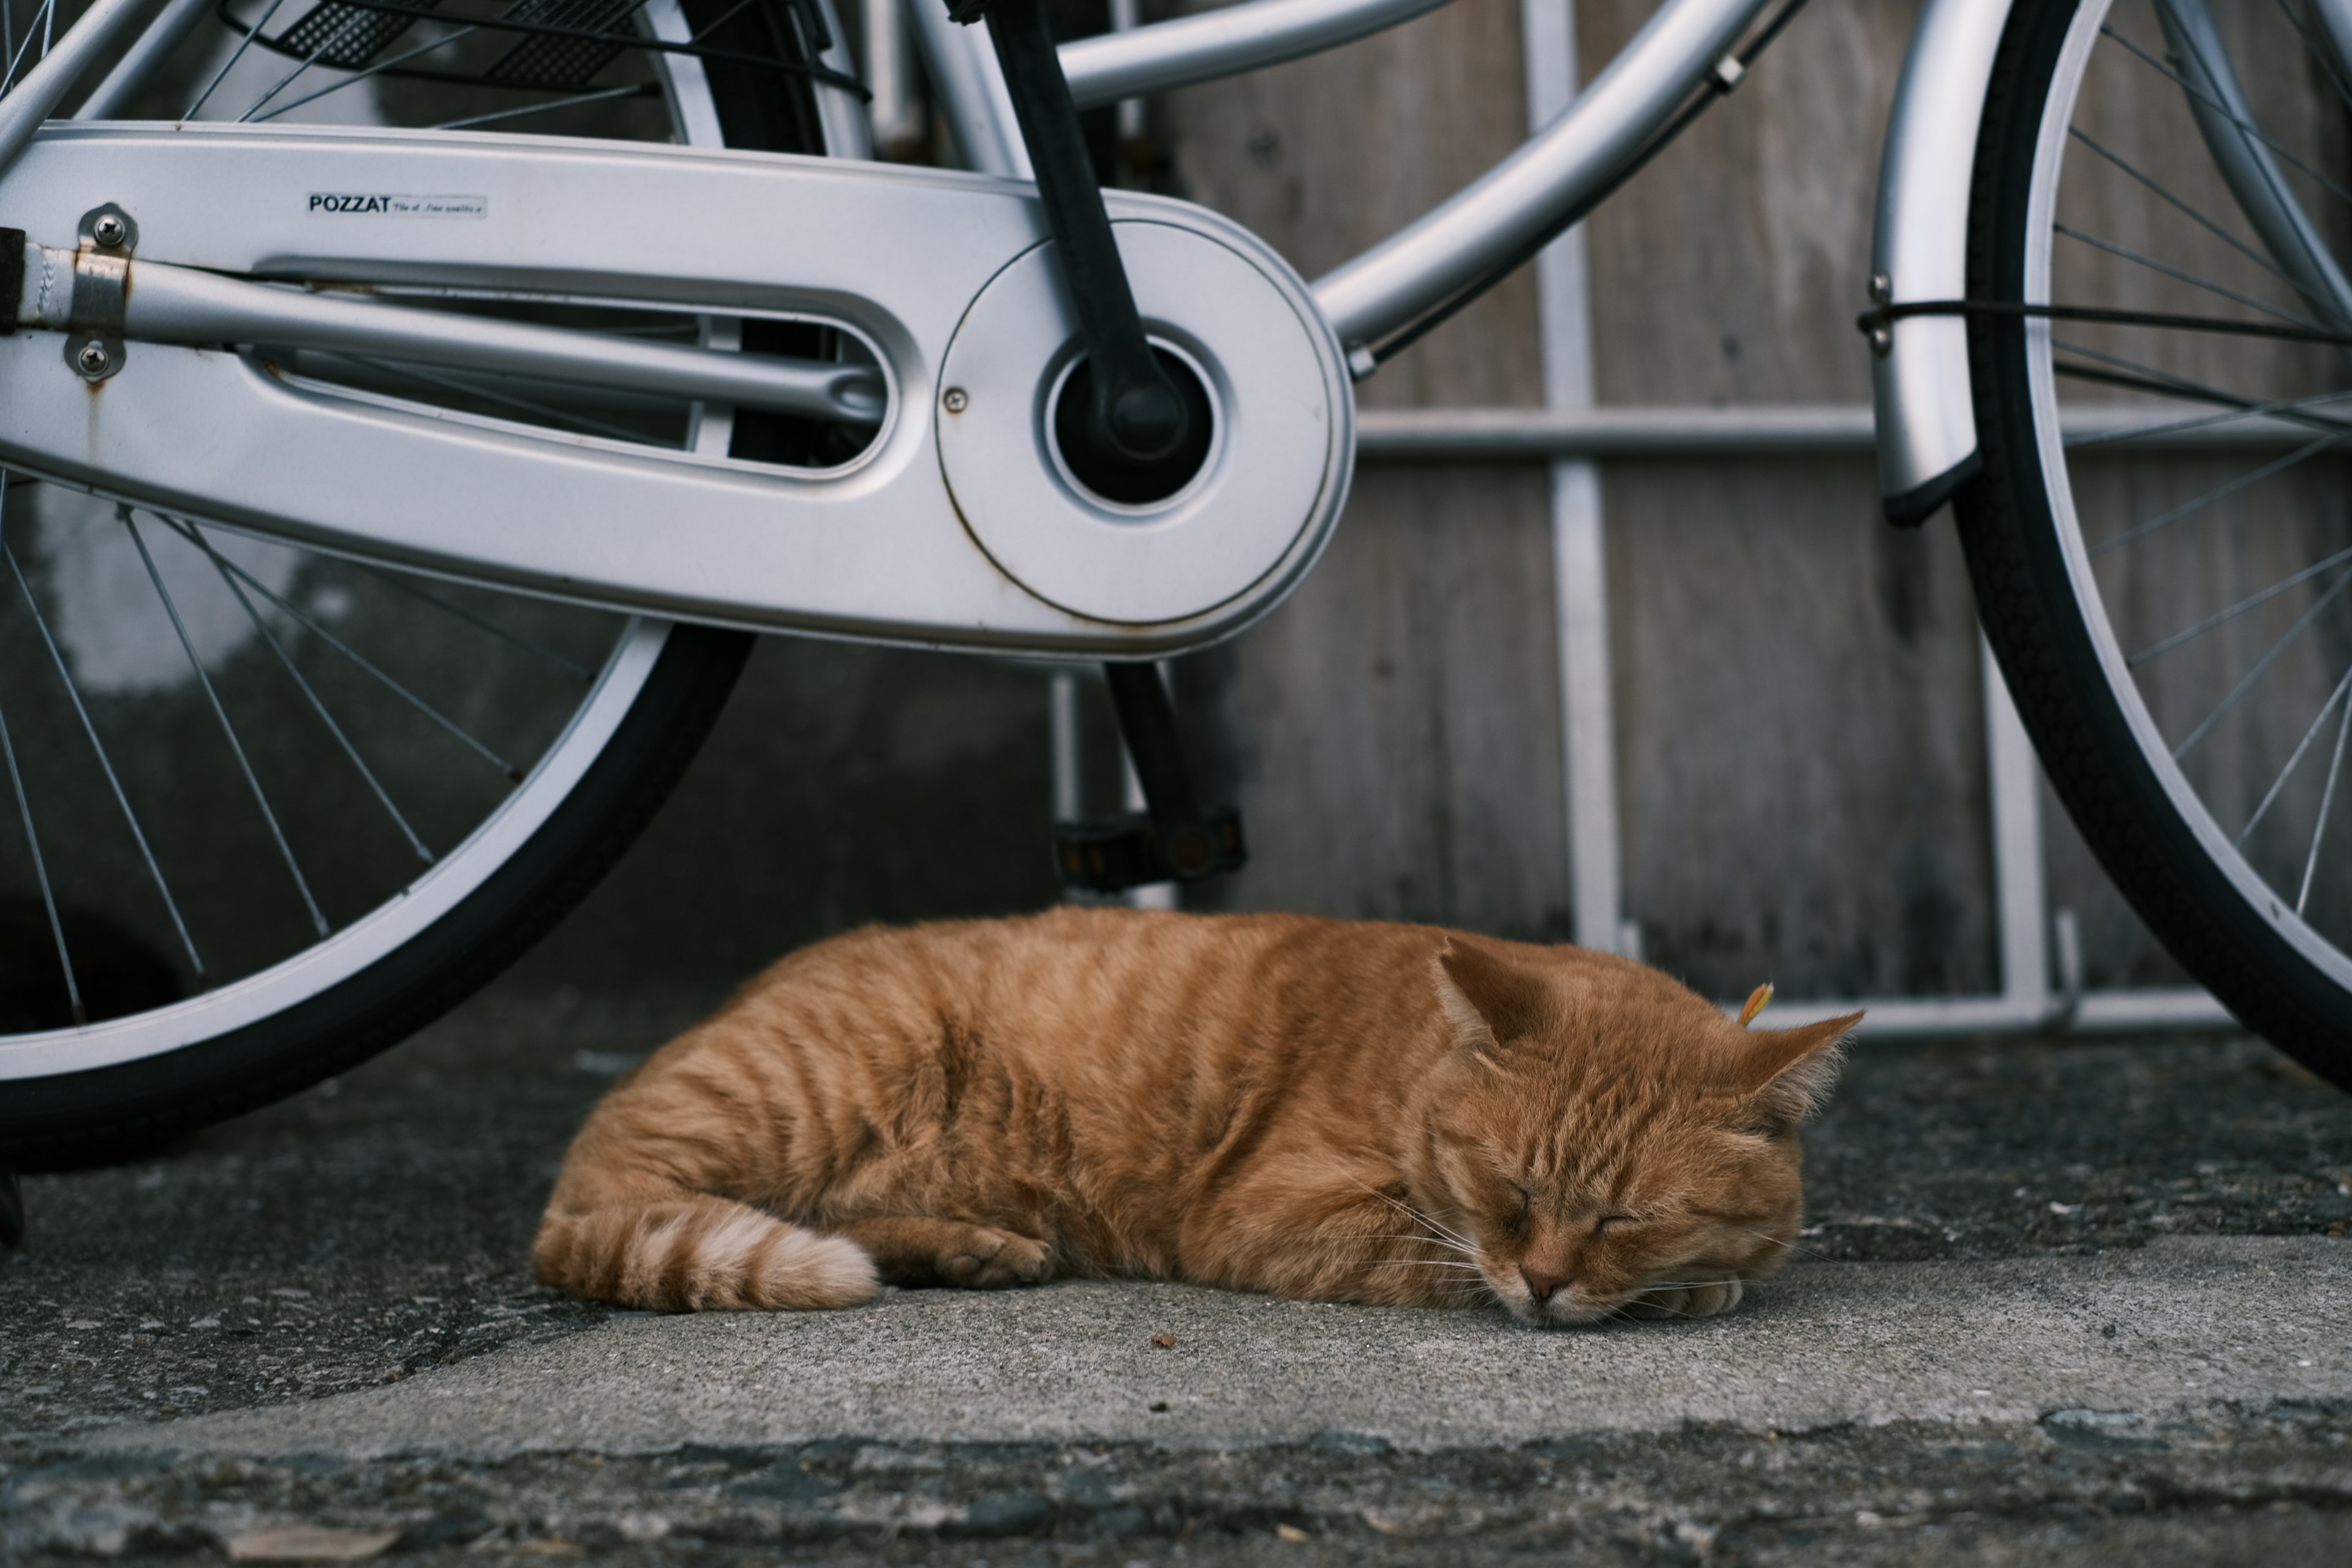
[{"x": 2061, "y": 1302}]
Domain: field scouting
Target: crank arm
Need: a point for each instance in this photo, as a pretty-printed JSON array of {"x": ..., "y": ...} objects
[{"x": 954, "y": 525}]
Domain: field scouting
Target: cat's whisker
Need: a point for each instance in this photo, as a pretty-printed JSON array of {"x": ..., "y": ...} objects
[
  {"x": 1792, "y": 1245},
  {"x": 1460, "y": 1242},
  {"x": 1429, "y": 1241}
]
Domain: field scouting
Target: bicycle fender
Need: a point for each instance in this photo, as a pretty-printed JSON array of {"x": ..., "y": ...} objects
[{"x": 1920, "y": 368}]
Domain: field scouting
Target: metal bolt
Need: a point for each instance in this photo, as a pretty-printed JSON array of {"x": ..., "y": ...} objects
[
  {"x": 110, "y": 230},
  {"x": 955, "y": 402},
  {"x": 1882, "y": 288},
  {"x": 1882, "y": 341},
  {"x": 91, "y": 358}
]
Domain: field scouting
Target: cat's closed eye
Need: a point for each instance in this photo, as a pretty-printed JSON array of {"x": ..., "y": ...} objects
[
  {"x": 1523, "y": 1214},
  {"x": 1605, "y": 1221}
]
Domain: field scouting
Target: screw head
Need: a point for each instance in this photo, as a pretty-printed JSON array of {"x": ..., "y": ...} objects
[
  {"x": 1882, "y": 288},
  {"x": 1882, "y": 341},
  {"x": 110, "y": 230},
  {"x": 91, "y": 358},
  {"x": 955, "y": 401}
]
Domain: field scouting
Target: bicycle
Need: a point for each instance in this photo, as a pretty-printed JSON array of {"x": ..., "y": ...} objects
[{"x": 311, "y": 396}]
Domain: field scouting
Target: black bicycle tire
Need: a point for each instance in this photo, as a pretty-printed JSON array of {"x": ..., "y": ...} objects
[
  {"x": 2009, "y": 533},
  {"x": 106, "y": 1113},
  {"x": 102, "y": 1113}
]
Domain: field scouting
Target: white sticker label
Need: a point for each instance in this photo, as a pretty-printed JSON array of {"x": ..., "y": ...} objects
[{"x": 381, "y": 204}]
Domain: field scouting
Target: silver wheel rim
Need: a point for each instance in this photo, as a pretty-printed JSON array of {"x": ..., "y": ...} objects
[
  {"x": 462, "y": 868},
  {"x": 2051, "y": 160}
]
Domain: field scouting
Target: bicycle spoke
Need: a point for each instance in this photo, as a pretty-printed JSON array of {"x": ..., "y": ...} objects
[
  {"x": 318, "y": 706},
  {"x": 578, "y": 672},
  {"x": 228, "y": 730},
  {"x": 448, "y": 383},
  {"x": 2248, "y": 251},
  {"x": 2326, "y": 799},
  {"x": 41, "y": 874},
  {"x": 2240, "y": 607},
  {"x": 2191, "y": 279},
  {"x": 2148, "y": 378},
  {"x": 285, "y": 81},
  {"x": 2207, "y": 421},
  {"x": 724, "y": 17},
  {"x": 2277, "y": 465},
  {"x": 2260, "y": 669},
  {"x": 2293, "y": 759},
  {"x": 16, "y": 53},
  {"x": 360, "y": 75},
  {"x": 2256, "y": 131},
  {"x": 243, "y": 44},
  {"x": 633, "y": 89},
  {"x": 2319, "y": 56},
  {"x": 89, "y": 728},
  {"x": 183, "y": 527}
]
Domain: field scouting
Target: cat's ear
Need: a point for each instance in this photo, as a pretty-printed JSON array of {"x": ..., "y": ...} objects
[
  {"x": 1484, "y": 999},
  {"x": 1786, "y": 1074}
]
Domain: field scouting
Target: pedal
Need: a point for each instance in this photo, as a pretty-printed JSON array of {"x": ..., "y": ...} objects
[
  {"x": 1113, "y": 854},
  {"x": 1177, "y": 839}
]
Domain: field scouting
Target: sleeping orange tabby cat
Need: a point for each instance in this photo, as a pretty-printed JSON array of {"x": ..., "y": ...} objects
[{"x": 1319, "y": 1108}]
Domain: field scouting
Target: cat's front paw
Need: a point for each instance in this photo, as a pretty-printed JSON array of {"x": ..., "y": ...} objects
[
  {"x": 985, "y": 1259},
  {"x": 1686, "y": 1300}
]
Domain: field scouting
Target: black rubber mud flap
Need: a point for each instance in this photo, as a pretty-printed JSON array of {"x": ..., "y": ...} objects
[{"x": 1918, "y": 504}]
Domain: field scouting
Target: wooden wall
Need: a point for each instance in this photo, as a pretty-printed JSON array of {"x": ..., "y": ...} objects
[
  {"x": 1799, "y": 724},
  {"x": 1800, "y": 746}
]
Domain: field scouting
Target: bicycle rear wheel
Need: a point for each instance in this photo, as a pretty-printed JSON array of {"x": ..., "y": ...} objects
[
  {"x": 2159, "y": 541},
  {"x": 269, "y": 812}
]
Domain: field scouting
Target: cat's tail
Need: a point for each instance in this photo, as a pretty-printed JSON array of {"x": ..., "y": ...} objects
[{"x": 691, "y": 1252}]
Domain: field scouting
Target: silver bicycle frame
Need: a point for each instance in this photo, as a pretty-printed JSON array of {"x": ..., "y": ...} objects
[
  {"x": 1377, "y": 291},
  {"x": 1926, "y": 428}
]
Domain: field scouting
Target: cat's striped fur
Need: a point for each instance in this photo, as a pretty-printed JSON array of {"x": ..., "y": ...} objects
[{"x": 1316, "y": 1109}]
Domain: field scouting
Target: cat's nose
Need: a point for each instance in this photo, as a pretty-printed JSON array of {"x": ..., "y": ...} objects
[{"x": 1540, "y": 1285}]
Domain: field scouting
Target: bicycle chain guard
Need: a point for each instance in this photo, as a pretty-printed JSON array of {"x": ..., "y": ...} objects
[{"x": 955, "y": 525}]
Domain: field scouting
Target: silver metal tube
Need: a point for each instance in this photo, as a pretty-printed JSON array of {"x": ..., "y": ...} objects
[
  {"x": 1226, "y": 42},
  {"x": 969, "y": 88},
  {"x": 23, "y": 109},
  {"x": 848, "y": 133},
  {"x": 1535, "y": 435},
  {"x": 168, "y": 304},
  {"x": 177, "y": 19},
  {"x": 1126, "y": 16},
  {"x": 2336, "y": 18},
  {"x": 1524, "y": 194},
  {"x": 896, "y": 112},
  {"x": 2226, "y": 120}
]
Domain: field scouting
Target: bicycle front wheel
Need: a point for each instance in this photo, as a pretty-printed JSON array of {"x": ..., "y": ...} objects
[
  {"x": 269, "y": 811},
  {"x": 2159, "y": 541}
]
